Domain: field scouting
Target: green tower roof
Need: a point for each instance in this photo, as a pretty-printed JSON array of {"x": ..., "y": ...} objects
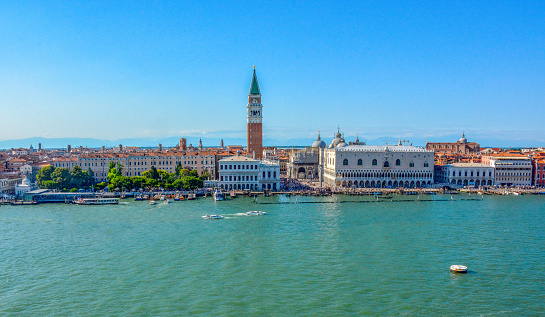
[{"x": 254, "y": 88}]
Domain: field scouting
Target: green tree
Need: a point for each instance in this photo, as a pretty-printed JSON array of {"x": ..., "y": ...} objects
[
  {"x": 179, "y": 169},
  {"x": 44, "y": 175},
  {"x": 205, "y": 175},
  {"x": 90, "y": 179},
  {"x": 194, "y": 173},
  {"x": 192, "y": 182},
  {"x": 138, "y": 182},
  {"x": 61, "y": 177},
  {"x": 77, "y": 177}
]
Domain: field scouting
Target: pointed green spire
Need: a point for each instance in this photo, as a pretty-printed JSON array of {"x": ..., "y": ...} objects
[{"x": 254, "y": 88}]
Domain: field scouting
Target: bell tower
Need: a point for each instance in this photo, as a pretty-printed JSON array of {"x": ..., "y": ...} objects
[{"x": 255, "y": 118}]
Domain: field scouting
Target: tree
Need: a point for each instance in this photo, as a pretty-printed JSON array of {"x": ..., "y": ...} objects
[
  {"x": 77, "y": 177},
  {"x": 192, "y": 182},
  {"x": 90, "y": 177},
  {"x": 61, "y": 177},
  {"x": 179, "y": 169},
  {"x": 44, "y": 175},
  {"x": 205, "y": 175}
]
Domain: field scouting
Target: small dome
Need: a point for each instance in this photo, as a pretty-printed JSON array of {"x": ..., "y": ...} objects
[
  {"x": 335, "y": 142},
  {"x": 26, "y": 182},
  {"x": 463, "y": 139},
  {"x": 342, "y": 143},
  {"x": 319, "y": 144}
]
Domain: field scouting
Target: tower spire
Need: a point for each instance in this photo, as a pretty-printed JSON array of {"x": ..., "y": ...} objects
[{"x": 254, "y": 87}]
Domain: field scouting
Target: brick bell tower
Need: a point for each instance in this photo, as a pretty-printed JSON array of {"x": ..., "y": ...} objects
[{"x": 255, "y": 118}]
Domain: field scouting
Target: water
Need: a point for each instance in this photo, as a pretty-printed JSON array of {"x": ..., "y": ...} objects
[{"x": 387, "y": 258}]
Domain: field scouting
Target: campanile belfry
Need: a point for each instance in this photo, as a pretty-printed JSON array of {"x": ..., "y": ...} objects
[{"x": 255, "y": 118}]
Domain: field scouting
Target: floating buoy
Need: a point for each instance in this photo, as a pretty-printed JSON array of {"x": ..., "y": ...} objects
[{"x": 458, "y": 269}]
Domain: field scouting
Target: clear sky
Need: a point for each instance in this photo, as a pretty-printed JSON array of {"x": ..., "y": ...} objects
[{"x": 118, "y": 69}]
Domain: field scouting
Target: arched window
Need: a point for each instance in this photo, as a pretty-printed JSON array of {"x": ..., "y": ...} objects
[
  {"x": 426, "y": 164},
  {"x": 386, "y": 164},
  {"x": 360, "y": 162},
  {"x": 375, "y": 162},
  {"x": 345, "y": 162},
  {"x": 398, "y": 162},
  {"x": 411, "y": 164}
]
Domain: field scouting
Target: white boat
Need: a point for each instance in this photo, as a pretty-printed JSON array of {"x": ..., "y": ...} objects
[
  {"x": 167, "y": 201},
  {"x": 97, "y": 201},
  {"x": 458, "y": 269},
  {"x": 218, "y": 195},
  {"x": 256, "y": 213},
  {"x": 517, "y": 193},
  {"x": 212, "y": 217},
  {"x": 152, "y": 202}
]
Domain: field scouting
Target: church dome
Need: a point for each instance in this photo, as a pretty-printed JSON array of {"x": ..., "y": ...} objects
[
  {"x": 319, "y": 143},
  {"x": 463, "y": 139},
  {"x": 26, "y": 182},
  {"x": 337, "y": 140},
  {"x": 342, "y": 143}
]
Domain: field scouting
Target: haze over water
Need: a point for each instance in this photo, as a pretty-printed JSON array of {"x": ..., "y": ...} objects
[{"x": 388, "y": 258}]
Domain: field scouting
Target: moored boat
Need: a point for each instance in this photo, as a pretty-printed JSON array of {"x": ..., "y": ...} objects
[
  {"x": 152, "y": 202},
  {"x": 97, "y": 201},
  {"x": 218, "y": 195}
]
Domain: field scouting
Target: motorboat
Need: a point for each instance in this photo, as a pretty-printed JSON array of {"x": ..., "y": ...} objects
[
  {"x": 256, "y": 213},
  {"x": 97, "y": 201},
  {"x": 152, "y": 202},
  {"x": 212, "y": 217},
  {"x": 458, "y": 269},
  {"x": 166, "y": 201},
  {"x": 218, "y": 195}
]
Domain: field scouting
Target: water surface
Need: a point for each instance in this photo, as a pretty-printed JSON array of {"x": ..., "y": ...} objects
[{"x": 334, "y": 259}]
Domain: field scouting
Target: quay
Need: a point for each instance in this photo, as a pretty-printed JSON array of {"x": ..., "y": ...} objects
[{"x": 41, "y": 196}]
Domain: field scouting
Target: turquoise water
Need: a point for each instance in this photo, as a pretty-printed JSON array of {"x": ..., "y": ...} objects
[{"x": 387, "y": 258}]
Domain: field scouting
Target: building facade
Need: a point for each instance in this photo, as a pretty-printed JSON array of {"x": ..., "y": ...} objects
[
  {"x": 255, "y": 120},
  {"x": 510, "y": 169},
  {"x": 539, "y": 172},
  {"x": 386, "y": 166},
  {"x": 466, "y": 174},
  {"x": 134, "y": 164},
  {"x": 459, "y": 147},
  {"x": 244, "y": 173}
]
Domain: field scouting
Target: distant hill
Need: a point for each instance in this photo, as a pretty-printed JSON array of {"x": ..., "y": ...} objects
[{"x": 51, "y": 143}]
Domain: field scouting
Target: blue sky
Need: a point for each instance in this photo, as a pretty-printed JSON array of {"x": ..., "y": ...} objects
[{"x": 122, "y": 69}]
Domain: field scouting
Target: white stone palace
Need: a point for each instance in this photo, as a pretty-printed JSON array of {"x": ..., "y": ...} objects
[{"x": 384, "y": 166}]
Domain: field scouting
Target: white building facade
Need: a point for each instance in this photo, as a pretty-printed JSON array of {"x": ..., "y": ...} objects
[
  {"x": 244, "y": 173},
  {"x": 510, "y": 170},
  {"x": 466, "y": 174},
  {"x": 388, "y": 166}
]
